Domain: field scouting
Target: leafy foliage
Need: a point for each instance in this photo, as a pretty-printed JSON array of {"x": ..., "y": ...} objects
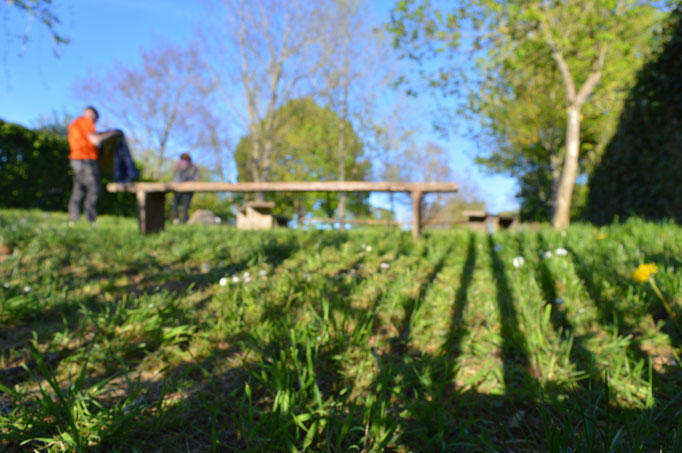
[
  {"x": 544, "y": 79},
  {"x": 639, "y": 173},
  {"x": 305, "y": 149},
  {"x": 36, "y": 173}
]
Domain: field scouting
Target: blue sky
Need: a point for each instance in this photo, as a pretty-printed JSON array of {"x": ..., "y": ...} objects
[{"x": 33, "y": 82}]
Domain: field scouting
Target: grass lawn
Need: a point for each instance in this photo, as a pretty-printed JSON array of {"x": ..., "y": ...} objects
[{"x": 213, "y": 339}]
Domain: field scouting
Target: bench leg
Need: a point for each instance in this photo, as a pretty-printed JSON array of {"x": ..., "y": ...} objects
[
  {"x": 416, "y": 214},
  {"x": 150, "y": 211}
]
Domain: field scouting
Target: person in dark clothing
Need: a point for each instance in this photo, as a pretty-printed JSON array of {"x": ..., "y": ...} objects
[
  {"x": 184, "y": 171},
  {"x": 124, "y": 166},
  {"x": 84, "y": 142}
]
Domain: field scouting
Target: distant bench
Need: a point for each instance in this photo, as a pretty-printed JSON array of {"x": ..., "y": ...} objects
[
  {"x": 484, "y": 221},
  {"x": 257, "y": 215},
  {"x": 151, "y": 195}
]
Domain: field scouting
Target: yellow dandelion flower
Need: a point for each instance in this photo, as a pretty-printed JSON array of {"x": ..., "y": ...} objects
[
  {"x": 643, "y": 272},
  {"x": 601, "y": 236}
]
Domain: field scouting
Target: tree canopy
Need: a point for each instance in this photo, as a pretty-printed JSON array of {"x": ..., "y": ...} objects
[
  {"x": 546, "y": 80},
  {"x": 305, "y": 149}
]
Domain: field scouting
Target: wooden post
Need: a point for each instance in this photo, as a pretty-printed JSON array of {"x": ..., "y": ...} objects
[
  {"x": 150, "y": 211},
  {"x": 416, "y": 214}
]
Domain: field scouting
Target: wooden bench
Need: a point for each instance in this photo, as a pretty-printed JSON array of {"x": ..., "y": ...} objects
[{"x": 151, "y": 195}]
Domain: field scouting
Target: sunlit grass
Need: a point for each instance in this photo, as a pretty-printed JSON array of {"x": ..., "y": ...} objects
[{"x": 329, "y": 341}]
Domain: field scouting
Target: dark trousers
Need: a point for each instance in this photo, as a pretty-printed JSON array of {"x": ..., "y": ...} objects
[
  {"x": 184, "y": 198},
  {"x": 85, "y": 183}
]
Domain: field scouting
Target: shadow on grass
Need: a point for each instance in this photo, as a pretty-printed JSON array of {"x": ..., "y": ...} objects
[
  {"x": 517, "y": 372},
  {"x": 224, "y": 399},
  {"x": 580, "y": 356}
]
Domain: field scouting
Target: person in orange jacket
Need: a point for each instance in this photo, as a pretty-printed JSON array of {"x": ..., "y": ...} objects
[{"x": 84, "y": 142}]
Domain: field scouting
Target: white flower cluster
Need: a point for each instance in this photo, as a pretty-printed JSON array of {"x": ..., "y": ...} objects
[
  {"x": 245, "y": 277},
  {"x": 518, "y": 261},
  {"x": 558, "y": 252}
]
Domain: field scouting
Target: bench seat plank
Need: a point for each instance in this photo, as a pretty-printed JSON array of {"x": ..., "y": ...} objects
[{"x": 150, "y": 195}]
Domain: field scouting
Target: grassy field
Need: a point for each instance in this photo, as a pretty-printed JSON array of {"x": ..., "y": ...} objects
[{"x": 212, "y": 339}]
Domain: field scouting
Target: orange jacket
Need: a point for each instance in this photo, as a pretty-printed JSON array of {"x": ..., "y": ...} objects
[{"x": 80, "y": 144}]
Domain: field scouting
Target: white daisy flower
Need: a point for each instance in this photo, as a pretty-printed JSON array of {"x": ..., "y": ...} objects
[
  {"x": 518, "y": 261},
  {"x": 223, "y": 281},
  {"x": 561, "y": 251},
  {"x": 384, "y": 265},
  {"x": 6, "y": 285},
  {"x": 263, "y": 273},
  {"x": 246, "y": 275},
  {"x": 547, "y": 254},
  {"x": 27, "y": 289},
  {"x": 368, "y": 248},
  {"x": 235, "y": 279}
]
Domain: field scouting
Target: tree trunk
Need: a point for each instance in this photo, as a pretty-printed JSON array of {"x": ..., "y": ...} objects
[
  {"x": 342, "y": 142},
  {"x": 342, "y": 173},
  {"x": 159, "y": 162},
  {"x": 562, "y": 209},
  {"x": 549, "y": 199},
  {"x": 255, "y": 167}
]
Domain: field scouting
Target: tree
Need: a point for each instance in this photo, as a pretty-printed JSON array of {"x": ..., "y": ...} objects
[
  {"x": 576, "y": 55},
  {"x": 395, "y": 153},
  {"x": 358, "y": 64},
  {"x": 270, "y": 49},
  {"x": 161, "y": 106},
  {"x": 432, "y": 164},
  {"x": 304, "y": 149}
]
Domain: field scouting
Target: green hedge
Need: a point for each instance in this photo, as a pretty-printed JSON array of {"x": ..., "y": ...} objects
[
  {"x": 641, "y": 171},
  {"x": 35, "y": 173}
]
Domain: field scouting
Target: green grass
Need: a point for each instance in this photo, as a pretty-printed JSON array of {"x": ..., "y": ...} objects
[{"x": 112, "y": 341}]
